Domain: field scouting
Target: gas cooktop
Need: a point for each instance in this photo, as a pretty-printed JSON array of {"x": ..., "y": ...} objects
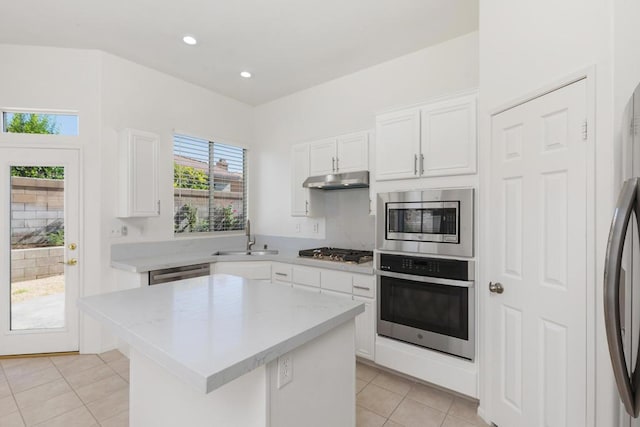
[{"x": 337, "y": 254}]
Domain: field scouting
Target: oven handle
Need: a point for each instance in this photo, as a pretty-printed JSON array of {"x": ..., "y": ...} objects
[{"x": 434, "y": 280}]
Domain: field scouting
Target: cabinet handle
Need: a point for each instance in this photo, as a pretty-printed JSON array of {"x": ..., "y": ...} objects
[
  {"x": 306, "y": 207},
  {"x": 281, "y": 274},
  {"x": 333, "y": 164},
  {"x": 158, "y": 207},
  {"x": 361, "y": 287},
  {"x": 415, "y": 164},
  {"x": 421, "y": 164},
  {"x": 337, "y": 164}
]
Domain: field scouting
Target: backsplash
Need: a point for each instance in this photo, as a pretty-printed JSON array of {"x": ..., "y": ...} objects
[{"x": 348, "y": 224}]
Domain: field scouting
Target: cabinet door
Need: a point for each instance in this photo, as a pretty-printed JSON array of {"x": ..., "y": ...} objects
[
  {"x": 366, "y": 328},
  {"x": 300, "y": 199},
  {"x": 307, "y": 288},
  {"x": 138, "y": 174},
  {"x": 307, "y": 276},
  {"x": 322, "y": 157},
  {"x": 397, "y": 145},
  {"x": 339, "y": 281},
  {"x": 353, "y": 152},
  {"x": 448, "y": 137}
]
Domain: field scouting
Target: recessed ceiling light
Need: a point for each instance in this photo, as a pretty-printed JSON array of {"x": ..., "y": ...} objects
[
  {"x": 245, "y": 74},
  {"x": 190, "y": 40}
]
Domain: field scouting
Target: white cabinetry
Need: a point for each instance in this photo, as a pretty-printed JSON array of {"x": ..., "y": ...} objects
[
  {"x": 366, "y": 328},
  {"x": 448, "y": 137},
  {"x": 345, "y": 153},
  {"x": 138, "y": 174},
  {"x": 300, "y": 196},
  {"x": 322, "y": 157},
  {"x": 397, "y": 144},
  {"x": 431, "y": 140},
  {"x": 255, "y": 270},
  {"x": 360, "y": 287}
]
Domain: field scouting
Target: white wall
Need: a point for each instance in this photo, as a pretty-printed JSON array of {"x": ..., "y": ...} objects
[
  {"x": 347, "y": 104},
  {"x": 528, "y": 45}
]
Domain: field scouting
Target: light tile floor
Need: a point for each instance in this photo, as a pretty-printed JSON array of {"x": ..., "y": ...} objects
[
  {"x": 65, "y": 391},
  {"x": 93, "y": 390},
  {"x": 385, "y": 399}
]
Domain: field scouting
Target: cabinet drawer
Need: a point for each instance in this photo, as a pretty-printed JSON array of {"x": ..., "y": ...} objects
[
  {"x": 281, "y": 272},
  {"x": 337, "y": 281},
  {"x": 306, "y": 276},
  {"x": 364, "y": 285},
  {"x": 260, "y": 270},
  {"x": 336, "y": 294},
  {"x": 307, "y": 288}
]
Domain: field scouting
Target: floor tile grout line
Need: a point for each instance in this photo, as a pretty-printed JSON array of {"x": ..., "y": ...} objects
[
  {"x": 76, "y": 393},
  {"x": 13, "y": 396}
]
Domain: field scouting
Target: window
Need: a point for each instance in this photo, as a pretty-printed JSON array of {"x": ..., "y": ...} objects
[
  {"x": 42, "y": 123},
  {"x": 210, "y": 186}
]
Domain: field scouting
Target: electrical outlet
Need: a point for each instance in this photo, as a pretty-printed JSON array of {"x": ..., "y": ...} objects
[
  {"x": 119, "y": 231},
  {"x": 297, "y": 227},
  {"x": 285, "y": 370},
  {"x": 315, "y": 227}
]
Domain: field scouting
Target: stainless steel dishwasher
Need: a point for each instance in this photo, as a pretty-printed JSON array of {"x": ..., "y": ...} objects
[{"x": 178, "y": 273}]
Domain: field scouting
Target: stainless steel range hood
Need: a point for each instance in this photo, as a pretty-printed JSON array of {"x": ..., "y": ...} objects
[{"x": 338, "y": 181}]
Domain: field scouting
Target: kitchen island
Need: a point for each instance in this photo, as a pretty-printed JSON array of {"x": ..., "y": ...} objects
[{"x": 225, "y": 351}]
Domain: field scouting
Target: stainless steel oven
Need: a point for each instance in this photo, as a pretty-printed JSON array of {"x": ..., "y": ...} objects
[
  {"x": 429, "y": 302},
  {"x": 438, "y": 222}
]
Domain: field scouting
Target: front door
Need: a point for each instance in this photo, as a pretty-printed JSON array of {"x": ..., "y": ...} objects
[
  {"x": 538, "y": 234},
  {"x": 39, "y": 235}
]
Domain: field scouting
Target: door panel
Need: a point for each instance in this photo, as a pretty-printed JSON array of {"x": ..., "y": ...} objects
[
  {"x": 538, "y": 188},
  {"x": 39, "y": 274}
]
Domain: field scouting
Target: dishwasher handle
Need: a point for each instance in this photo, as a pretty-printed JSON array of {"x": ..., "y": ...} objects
[{"x": 178, "y": 273}]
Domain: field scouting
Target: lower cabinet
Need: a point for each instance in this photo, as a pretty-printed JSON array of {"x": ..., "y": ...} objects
[
  {"x": 255, "y": 270},
  {"x": 366, "y": 328}
]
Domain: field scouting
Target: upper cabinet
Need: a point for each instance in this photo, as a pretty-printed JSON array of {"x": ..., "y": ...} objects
[
  {"x": 138, "y": 152},
  {"x": 300, "y": 196},
  {"x": 322, "y": 157},
  {"x": 397, "y": 144},
  {"x": 353, "y": 152},
  {"x": 432, "y": 140},
  {"x": 346, "y": 153}
]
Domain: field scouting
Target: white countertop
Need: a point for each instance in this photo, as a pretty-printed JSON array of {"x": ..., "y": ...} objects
[
  {"x": 210, "y": 330},
  {"x": 157, "y": 262}
]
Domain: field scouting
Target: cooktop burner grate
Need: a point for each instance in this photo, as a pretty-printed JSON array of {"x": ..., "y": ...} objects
[{"x": 337, "y": 254}]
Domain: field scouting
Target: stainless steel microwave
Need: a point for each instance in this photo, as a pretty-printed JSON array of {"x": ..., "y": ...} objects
[{"x": 436, "y": 221}]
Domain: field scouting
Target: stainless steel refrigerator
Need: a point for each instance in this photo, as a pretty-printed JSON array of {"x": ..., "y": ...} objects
[{"x": 622, "y": 272}]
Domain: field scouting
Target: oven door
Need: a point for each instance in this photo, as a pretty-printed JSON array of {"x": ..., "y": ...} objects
[
  {"x": 430, "y": 312},
  {"x": 423, "y": 221}
]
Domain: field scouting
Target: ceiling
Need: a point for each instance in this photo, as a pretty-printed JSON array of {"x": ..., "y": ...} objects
[{"x": 288, "y": 45}]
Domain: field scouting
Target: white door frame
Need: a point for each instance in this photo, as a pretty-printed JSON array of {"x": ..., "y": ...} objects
[
  {"x": 59, "y": 142},
  {"x": 484, "y": 211}
]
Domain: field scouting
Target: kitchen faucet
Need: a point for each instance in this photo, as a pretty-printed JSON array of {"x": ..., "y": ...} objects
[{"x": 248, "y": 233}]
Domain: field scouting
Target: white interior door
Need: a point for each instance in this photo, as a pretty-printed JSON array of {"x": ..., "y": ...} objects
[
  {"x": 39, "y": 235},
  {"x": 538, "y": 231}
]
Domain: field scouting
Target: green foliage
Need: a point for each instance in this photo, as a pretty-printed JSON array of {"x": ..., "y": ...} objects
[
  {"x": 186, "y": 220},
  {"x": 56, "y": 238},
  {"x": 49, "y": 172},
  {"x": 189, "y": 177},
  {"x": 225, "y": 219},
  {"x": 32, "y": 123}
]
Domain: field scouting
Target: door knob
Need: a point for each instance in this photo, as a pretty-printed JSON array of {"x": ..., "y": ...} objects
[
  {"x": 496, "y": 288},
  {"x": 72, "y": 261}
]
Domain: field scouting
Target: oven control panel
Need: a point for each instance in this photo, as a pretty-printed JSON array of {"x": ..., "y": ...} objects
[{"x": 426, "y": 266}]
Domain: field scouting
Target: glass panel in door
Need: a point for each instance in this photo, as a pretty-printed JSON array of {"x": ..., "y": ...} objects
[{"x": 37, "y": 247}]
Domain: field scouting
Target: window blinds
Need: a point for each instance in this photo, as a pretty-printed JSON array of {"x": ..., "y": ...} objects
[{"x": 209, "y": 186}]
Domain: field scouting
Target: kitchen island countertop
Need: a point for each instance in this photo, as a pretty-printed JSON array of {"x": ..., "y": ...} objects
[{"x": 211, "y": 330}]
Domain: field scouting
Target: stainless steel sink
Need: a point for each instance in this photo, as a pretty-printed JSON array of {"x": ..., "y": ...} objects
[{"x": 251, "y": 252}]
